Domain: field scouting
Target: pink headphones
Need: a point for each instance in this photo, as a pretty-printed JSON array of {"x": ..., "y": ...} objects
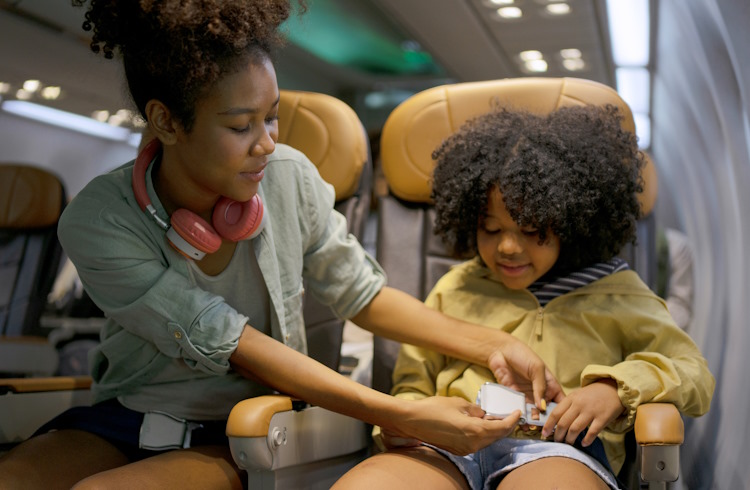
[{"x": 190, "y": 234}]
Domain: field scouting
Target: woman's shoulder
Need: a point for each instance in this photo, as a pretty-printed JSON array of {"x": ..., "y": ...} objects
[{"x": 111, "y": 190}]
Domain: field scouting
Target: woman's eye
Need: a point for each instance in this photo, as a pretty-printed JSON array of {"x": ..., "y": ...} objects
[
  {"x": 272, "y": 119},
  {"x": 241, "y": 130}
]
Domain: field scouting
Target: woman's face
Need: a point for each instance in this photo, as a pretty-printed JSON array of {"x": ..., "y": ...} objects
[
  {"x": 235, "y": 129},
  {"x": 511, "y": 252}
]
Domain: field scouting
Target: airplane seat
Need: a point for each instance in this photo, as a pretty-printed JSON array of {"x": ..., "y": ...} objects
[
  {"x": 414, "y": 258},
  {"x": 330, "y": 133},
  {"x": 31, "y": 201}
]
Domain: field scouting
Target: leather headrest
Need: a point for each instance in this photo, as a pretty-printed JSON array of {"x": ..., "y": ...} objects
[
  {"x": 329, "y": 132},
  {"x": 420, "y": 124},
  {"x": 30, "y": 197}
]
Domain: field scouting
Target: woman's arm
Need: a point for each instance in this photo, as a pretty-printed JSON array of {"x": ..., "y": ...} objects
[
  {"x": 396, "y": 315},
  {"x": 450, "y": 423}
]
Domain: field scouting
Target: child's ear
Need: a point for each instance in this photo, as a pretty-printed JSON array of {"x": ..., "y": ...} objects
[{"x": 160, "y": 122}]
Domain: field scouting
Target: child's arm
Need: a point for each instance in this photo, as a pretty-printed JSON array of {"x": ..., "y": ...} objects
[{"x": 661, "y": 363}]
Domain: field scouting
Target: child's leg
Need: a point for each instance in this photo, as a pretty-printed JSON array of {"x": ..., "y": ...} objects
[
  {"x": 408, "y": 468},
  {"x": 552, "y": 472}
]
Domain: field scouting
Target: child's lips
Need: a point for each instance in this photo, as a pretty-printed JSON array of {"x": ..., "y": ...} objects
[{"x": 513, "y": 270}]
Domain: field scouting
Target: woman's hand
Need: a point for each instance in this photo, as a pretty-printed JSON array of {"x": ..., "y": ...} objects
[
  {"x": 594, "y": 406},
  {"x": 450, "y": 423},
  {"x": 516, "y": 366}
]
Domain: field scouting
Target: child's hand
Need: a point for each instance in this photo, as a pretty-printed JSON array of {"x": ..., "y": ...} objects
[{"x": 594, "y": 406}]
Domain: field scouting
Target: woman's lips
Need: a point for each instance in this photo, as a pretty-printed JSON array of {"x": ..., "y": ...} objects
[{"x": 254, "y": 176}]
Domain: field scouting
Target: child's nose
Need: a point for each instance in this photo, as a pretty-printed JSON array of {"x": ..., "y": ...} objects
[{"x": 509, "y": 244}]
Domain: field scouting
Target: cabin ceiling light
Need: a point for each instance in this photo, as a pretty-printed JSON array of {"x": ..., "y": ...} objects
[
  {"x": 536, "y": 66},
  {"x": 502, "y": 2},
  {"x": 558, "y": 8},
  {"x": 22, "y": 94},
  {"x": 51, "y": 93},
  {"x": 4, "y": 87},
  {"x": 574, "y": 64},
  {"x": 510, "y": 12},
  {"x": 531, "y": 54},
  {"x": 570, "y": 53},
  {"x": 100, "y": 116},
  {"x": 32, "y": 85}
]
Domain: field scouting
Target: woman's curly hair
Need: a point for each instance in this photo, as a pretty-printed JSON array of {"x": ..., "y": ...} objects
[
  {"x": 176, "y": 50},
  {"x": 574, "y": 173}
]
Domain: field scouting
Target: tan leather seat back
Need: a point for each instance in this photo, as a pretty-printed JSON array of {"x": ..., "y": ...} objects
[
  {"x": 31, "y": 201},
  {"x": 418, "y": 126},
  {"x": 330, "y": 133},
  {"x": 332, "y": 136}
]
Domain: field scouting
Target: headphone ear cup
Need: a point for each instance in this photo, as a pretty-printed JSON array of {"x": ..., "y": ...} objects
[
  {"x": 191, "y": 235},
  {"x": 237, "y": 221}
]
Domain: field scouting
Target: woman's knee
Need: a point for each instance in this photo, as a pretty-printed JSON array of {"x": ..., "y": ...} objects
[{"x": 58, "y": 460}]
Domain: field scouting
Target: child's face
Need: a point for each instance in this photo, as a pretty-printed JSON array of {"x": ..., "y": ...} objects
[
  {"x": 235, "y": 129},
  {"x": 511, "y": 252}
]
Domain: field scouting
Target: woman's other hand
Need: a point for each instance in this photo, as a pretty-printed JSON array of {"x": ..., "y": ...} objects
[{"x": 516, "y": 366}]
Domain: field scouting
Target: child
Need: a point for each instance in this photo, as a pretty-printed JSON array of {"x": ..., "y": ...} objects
[
  {"x": 191, "y": 337},
  {"x": 544, "y": 203}
]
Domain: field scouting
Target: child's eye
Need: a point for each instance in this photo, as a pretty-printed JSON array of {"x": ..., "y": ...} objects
[
  {"x": 531, "y": 232},
  {"x": 491, "y": 230}
]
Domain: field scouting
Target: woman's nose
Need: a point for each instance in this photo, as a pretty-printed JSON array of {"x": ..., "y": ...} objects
[{"x": 266, "y": 144}]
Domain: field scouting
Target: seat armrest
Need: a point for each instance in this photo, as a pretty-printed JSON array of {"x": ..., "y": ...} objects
[
  {"x": 658, "y": 424},
  {"x": 659, "y": 431},
  {"x": 52, "y": 383},
  {"x": 267, "y": 433},
  {"x": 27, "y": 403}
]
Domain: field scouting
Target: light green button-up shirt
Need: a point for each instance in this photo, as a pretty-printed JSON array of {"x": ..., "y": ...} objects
[{"x": 157, "y": 314}]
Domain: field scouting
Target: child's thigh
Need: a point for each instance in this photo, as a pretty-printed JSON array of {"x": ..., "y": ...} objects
[
  {"x": 552, "y": 472},
  {"x": 407, "y": 468},
  {"x": 199, "y": 467}
]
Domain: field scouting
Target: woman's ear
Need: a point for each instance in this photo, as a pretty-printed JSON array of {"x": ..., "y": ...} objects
[{"x": 160, "y": 123}]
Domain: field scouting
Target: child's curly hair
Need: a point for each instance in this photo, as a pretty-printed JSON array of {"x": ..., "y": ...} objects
[
  {"x": 175, "y": 50},
  {"x": 574, "y": 173}
]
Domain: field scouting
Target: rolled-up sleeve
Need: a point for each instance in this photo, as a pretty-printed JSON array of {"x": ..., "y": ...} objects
[{"x": 339, "y": 272}]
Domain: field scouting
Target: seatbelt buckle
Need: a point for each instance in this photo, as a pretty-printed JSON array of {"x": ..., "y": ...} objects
[
  {"x": 161, "y": 431},
  {"x": 500, "y": 401}
]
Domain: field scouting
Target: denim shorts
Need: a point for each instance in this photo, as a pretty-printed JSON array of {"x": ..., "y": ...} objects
[
  {"x": 486, "y": 468},
  {"x": 121, "y": 427}
]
